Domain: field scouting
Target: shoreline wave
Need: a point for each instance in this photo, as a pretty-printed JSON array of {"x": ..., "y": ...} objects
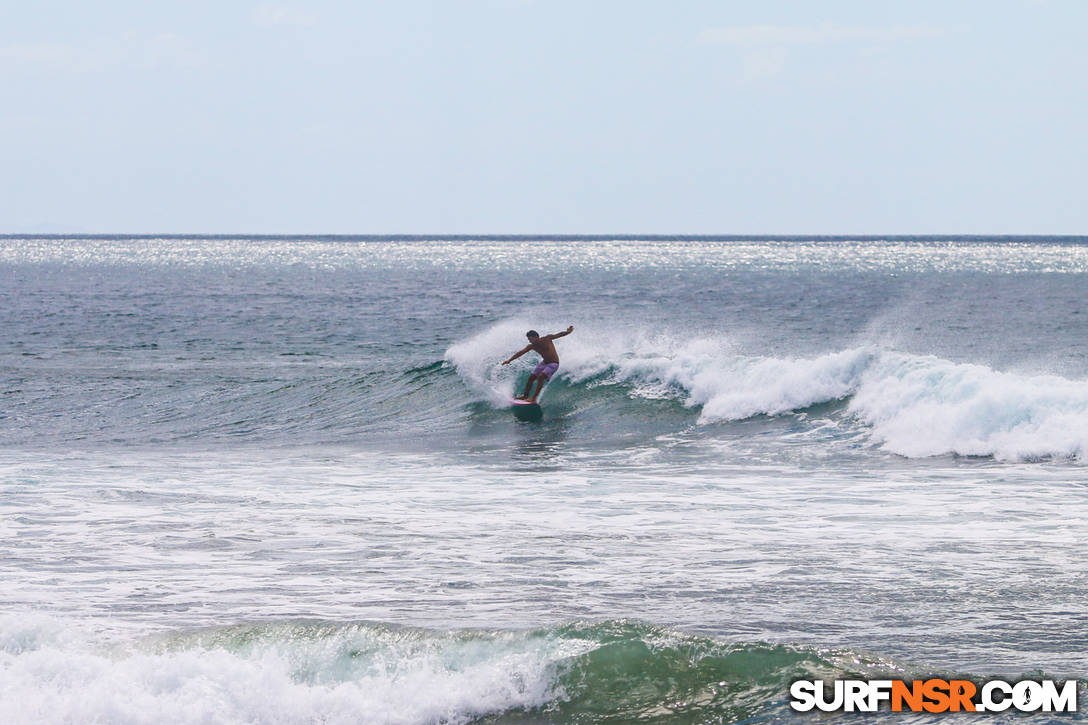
[{"x": 319, "y": 671}]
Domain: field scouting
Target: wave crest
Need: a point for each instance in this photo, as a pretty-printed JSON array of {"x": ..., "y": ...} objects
[{"x": 925, "y": 406}]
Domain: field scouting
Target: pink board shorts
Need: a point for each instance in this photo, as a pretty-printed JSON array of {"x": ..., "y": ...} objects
[{"x": 547, "y": 370}]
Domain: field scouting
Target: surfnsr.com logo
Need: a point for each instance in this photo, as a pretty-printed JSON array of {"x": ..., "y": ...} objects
[{"x": 934, "y": 695}]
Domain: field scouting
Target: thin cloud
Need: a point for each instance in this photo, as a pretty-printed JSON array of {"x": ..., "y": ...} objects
[
  {"x": 826, "y": 33},
  {"x": 283, "y": 15},
  {"x": 130, "y": 50},
  {"x": 764, "y": 49},
  {"x": 36, "y": 54},
  {"x": 759, "y": 63},
  {"x": 169, "y": 49}
]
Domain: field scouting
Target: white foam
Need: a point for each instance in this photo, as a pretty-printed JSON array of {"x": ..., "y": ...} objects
[
  {"x": 348, "y": 676},
  {"x": 737, "y": 387},
  {"x": 707, "y": 371},
  {"x": 478, "y": 360},
  {"x": 925, "y": 406}
]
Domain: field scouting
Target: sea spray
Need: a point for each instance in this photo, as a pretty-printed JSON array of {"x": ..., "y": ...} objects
[{"x": 478, "y": 360}]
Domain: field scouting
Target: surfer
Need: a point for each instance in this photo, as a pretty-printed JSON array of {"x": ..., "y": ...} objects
[{"x": 549, "y": 360}]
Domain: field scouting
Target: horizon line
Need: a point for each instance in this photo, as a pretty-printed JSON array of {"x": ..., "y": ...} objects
[{"x": 533, "y": 236}]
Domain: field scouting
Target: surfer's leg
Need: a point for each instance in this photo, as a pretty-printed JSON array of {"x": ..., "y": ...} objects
[
  {"x": 537, "y": 374},
  {"x": 543, "y": 374},
  {"x": 541, "y": 380},
  {"x": 528, "y": 387}
]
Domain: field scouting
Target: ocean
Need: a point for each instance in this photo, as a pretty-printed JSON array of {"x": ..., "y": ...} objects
[{"x": 278, "y": 480}]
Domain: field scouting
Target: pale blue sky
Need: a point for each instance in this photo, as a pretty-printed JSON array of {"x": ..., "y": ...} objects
[{"x": 514, "y": 116}]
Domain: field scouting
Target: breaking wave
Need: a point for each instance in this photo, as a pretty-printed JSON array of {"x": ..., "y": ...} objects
[
  {"x": 316, "y": 671},
  {"x": 911, "y": 405}
]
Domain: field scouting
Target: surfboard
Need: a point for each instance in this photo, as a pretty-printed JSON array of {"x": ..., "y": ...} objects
[{"x": 524, "y": 410}]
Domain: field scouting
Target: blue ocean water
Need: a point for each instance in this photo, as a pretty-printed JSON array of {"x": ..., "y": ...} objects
[{"x": 277, "y": 479}]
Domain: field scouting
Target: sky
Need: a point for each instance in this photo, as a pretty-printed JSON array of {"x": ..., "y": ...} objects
[{"x": 545, "y": 116}]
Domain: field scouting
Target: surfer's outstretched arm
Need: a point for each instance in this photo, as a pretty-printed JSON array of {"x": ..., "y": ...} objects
[
  {"x": 517, "y": 354},
  {"x": 555, "y": 335}
]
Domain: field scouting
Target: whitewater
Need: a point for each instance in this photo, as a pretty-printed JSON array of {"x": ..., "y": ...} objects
[{"x": 277, "y": 480}]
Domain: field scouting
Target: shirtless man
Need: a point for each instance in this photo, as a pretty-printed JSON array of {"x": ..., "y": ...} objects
[{"x": 549, "y": 361}]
